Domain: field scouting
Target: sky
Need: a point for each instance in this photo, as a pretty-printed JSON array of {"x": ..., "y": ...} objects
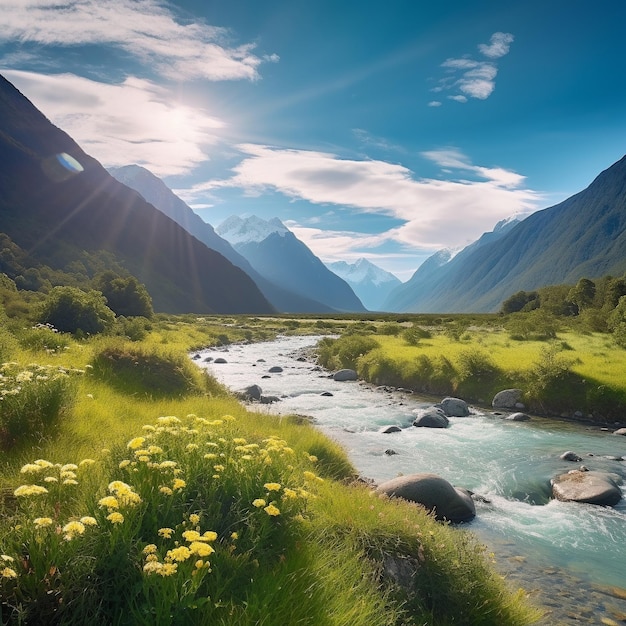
[{"x": 378, "y": 129}]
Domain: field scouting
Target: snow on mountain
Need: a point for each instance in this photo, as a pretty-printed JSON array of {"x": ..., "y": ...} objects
[
  {"x": 371, "y": 283},
  {"x": 252, "y": 229}
]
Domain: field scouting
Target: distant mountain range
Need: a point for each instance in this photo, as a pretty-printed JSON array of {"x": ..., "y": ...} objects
[
  {"x": 56, "y": 201},
  {"x": 369, "y": 282},
  {"x": 278, "y": 255},
  {"x": 155, "y": 191},
  {"x": 583, "y": 236}
]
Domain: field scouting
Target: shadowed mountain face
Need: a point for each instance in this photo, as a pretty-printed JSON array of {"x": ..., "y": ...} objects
[
  {"x": 277, "y": 254},
  {"x": 583, "y": 236},
  {"x": 156, "y": 192},
  {"x": 55, "y": 207}
]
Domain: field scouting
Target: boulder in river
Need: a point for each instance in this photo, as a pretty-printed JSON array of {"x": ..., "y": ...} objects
[
  {"x": 517, "y": 417},
  {"x": 220, "y": 359},
  {"x": 620, "y": 431},
  {"x": 276, "y": 369},
  {"x": 434, "y": 493},
  {"x": 570, "y": 456},
  {"x": 587, "y": 487},
  {"x": 431, "y": 418},
  {"x": 326, "y": 394},
  {"x": 345, "y": 374},
  {"x": 454, "y": 407},
  {"x": 390, "y": 429},
  {"x": 507, "y": 399},
  {"x": 252, "y": 392}
]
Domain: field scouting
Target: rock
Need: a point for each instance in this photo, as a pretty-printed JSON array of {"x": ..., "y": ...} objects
[
  {"x": 588, "y": 487},
  {"x": 390, "y": 452},
  {"x": 454, "y": 407},
  {"x": 343, "y": 375},
  {"x": 390, "y": 429},
  {"x": 269, "y": 399},
  {"x": 208, "y": 359},
  {"x": 517, "y": 417},
  {"x": 620, "y": 431},
  {"x": 275, "y": 370},
  {"x": 570, "y": 456},
  {"x": 195, "y": 357},
  {"x": 266, "y": 376},
  {"x": 431, "y": 418},
  {"x": 507, "y": 399},
  {"x": 220, "y": 360},
  {"x": 253, "y": 392},
  {"x": 260, "y": 360},
  {"x": 434, "y": 493},
  {"x": 326, "y": 394}
]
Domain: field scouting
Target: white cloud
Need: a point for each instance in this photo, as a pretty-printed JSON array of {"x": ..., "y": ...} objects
[
  {"x": 434, "y": 103},
  {"x": 499, "y": 46},
  {"x": 473, "y": 78},
  {"x": 135, "y": 121},
  {"x": 436, "y": 213},
  {"x": 148, "y": 30}
]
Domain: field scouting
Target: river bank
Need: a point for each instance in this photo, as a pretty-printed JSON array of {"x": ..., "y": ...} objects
[{"x": 570, "y": 557}]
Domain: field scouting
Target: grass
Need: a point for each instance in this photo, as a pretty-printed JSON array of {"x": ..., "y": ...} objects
[
  {"x": 266, "y": 524},
  {"x": 573, "y": 372}
]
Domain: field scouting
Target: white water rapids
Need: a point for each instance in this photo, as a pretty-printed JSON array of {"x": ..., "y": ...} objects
[{"x": 541, "y": 541}]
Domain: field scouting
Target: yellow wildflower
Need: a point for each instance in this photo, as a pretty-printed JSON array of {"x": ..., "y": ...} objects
[
  {"x": 155, "y": 450},
  {"x": 124, "y": 463},
  {"x": 72, "y": 529},
  {"x": 150, "y": 549},
  {"x": 209, "y": 535},
  {"x": 240, "y": 441},
  {"x": 194, "y": 518},
  {"x": 50, "y": 479},
  {"x": 168, "y": 569},
  {"x": 86, "y": 462},
  {"x": 67, "y": 474},
  {"x": 165, "y": 490},
  {"x": 258, "y": 503},
  {"x": 234, "y": 536},
  {"x": 167, "y": 464},
  {"x": 7, "y": 558},
  {"x": 69, "y": 467},
  {"x": 313, "y": 458},
  {"x": 289, "y": 493},
  {"x": 178, "y": 483},
  {"x": 180, "y": 554},
  {"x": 210, "y": 455},
  {"x": 109, "y": 501},
  {"x": 201, "y": 549},
  {"x": 218, "y": 468},
  {"x": 191, "y": 535},
  {"x": 115, "y": 518},
  {"x": 168, "y": 420},
  {"x": 29, "y": 490},
  {"x": 166, "y": 532},
  {"x": 272, "y": 486},
  {"x": 191, "y": 447},
  {"x": 42, "y": 522},
  {"x": 152, "y": 567},
  {"x": 136, "y": 443},
  {"x": 31, "y": 468},
  {"x": 43, "y": 463},
  {"x": 7, "y": 572},
  {"x": 70, "y": 481},
  {"x": 87, "y": 520},
  {"x": 272, "y": 510}
]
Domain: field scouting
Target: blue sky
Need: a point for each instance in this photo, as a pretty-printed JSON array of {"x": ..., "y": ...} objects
[{"x": 379, "y": 129}]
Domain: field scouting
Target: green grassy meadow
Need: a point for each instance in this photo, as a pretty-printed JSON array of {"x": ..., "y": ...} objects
[{"x": 149, "y": 495}]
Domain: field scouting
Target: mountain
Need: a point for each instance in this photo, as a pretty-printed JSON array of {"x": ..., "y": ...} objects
[
  {"x": 368, "y": 281},
  {"x": 583, "y": 236},
  {"x": 157, "y": 193},
  {"x": 434, "y": 270},
  {"x": 275, "y": 252},
  {"x": 56, "y": 202}
]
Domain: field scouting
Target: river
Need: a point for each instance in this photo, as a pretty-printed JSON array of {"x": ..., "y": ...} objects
[{"x": 570, "y": 557}]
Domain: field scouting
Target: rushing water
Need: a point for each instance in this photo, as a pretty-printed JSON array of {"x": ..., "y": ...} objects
[{"x": 561, "y": 550}]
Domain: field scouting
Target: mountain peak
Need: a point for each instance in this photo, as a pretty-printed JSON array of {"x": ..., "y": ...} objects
[{"x": 249, "y": 229}]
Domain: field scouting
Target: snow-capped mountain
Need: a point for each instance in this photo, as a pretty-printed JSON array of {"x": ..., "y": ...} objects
[
  {"x": 278, "y": 255},
  {"x": 156, "y": 192},
  {"x": 371, "y": 283}
]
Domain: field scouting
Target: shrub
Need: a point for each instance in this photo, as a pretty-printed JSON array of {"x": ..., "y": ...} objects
[
  {"x": 133, "y": 328},
  {"x": 414, "y": 335},
  {"x": 71, "y": 310},
  {"x": 390, "y": 328},
  {"x": 43, "y": 338},
  {"x": 31, "y": 401},
  {"x": 156, "y": 373},
  {"x": 476, "y": 365},
  {"x": 125, "y": 295},
  {"x": 345, "y": 351}
]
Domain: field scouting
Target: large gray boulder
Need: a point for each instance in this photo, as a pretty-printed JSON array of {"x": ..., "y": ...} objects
[
  {"x": 620, "y": 431},
  {"x": 252, "y": 392},
  {"x": 588, "y": 487},
  {"x": 431, "y": 418},
  {"x": 507, "y": 399},
  {"x": 343, "y": 375},
  {"x": 433, "y": 493},
  {"x": 517, "y": 417},
  {"x": 454, "y": 407}
]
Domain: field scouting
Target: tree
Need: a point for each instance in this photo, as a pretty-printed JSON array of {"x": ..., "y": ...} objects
[
  {"x": 617, "y": 322},
  {"x": 519, "y": 301},
  {"x": 125, "y": 294},
  {"x": 71, "y": 310},
  {"x": 582, "y": 294}
]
